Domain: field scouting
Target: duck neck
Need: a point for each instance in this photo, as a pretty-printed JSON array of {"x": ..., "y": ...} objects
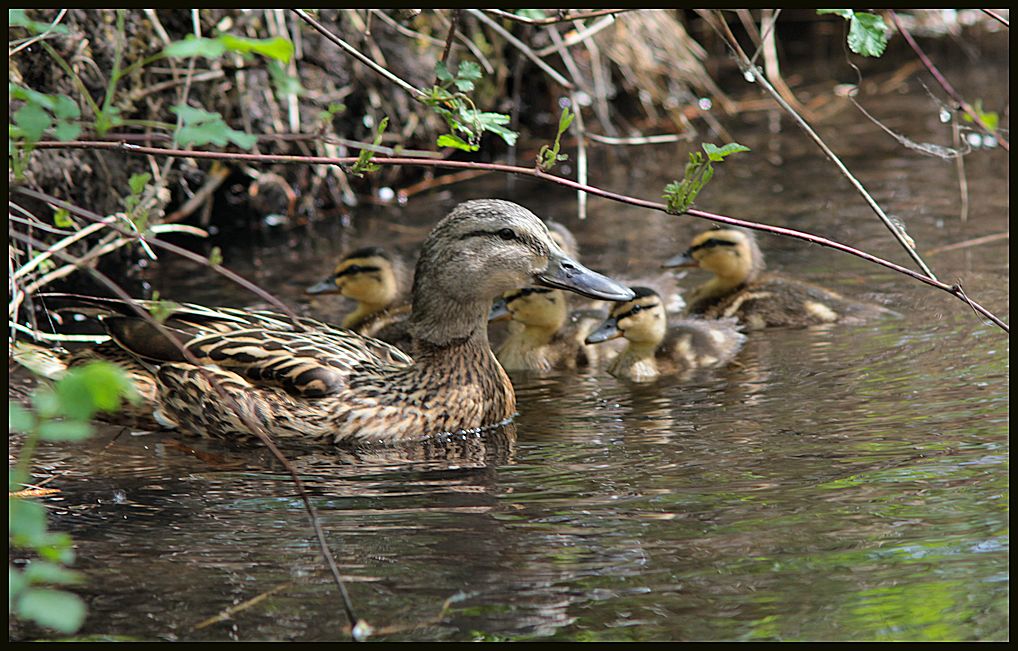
[{"x": 439, "y": 321}]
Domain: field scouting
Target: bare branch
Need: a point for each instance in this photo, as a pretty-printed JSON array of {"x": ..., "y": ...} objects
[{"x": 494, "y": 167}]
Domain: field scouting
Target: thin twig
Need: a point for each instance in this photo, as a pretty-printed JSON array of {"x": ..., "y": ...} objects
[
  {"x": 977, "y": 241},
  {"x": 997, "y": 17},
  {"x": 242, "y": 606},
  {"x": 360, "y": 56},
  {"x": 552, "y": 21},
  {"x": 946, "y": 85},
  {"x": 640, "y": 140},
  {"x": 959, "y": 166},
  {"x": 762, "y": 80},
  {"x": 454, "y": 22},
  {"x": 522, "y": 47},
  {"x": 494, "y": 167},
  {"x": 577, "y": 37}
]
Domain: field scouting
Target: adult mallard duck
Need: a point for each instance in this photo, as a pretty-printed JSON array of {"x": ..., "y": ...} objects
[
  {"x": 543, "y": 333},
  {"x": 377, "y": 281},
  {"x": 655, "y": 347},
  {"x": 741, "y": 289},
  {"x": 307, "y": 381}
]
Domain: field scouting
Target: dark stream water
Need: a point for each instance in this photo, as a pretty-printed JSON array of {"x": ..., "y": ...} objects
[{"x": 834, "y": 483}]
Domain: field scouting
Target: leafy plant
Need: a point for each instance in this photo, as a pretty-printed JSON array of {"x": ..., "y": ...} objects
[
  {"x": 867, "y": 33},
  {"x": 466, "y": 123},
  {"x": 364, "y": 164},
  {"x": 39, "y": 113},
  {"x": 201, "y": 127},
  {"x": 699, "y": 171},
  {"x": 61, "y": 413},
  {"x": 548, "y": 156}
]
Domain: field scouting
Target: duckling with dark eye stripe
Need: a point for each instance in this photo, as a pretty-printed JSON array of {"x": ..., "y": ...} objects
[
  {"x": 741, "y": 289},
  {"x": 377, "y": 281},
  {"x": 655, "y": 347},
  {"x": 543, "y": 334}
]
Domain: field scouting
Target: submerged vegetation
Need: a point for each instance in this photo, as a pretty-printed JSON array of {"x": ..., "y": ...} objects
[{"x": 138, "y": 133}]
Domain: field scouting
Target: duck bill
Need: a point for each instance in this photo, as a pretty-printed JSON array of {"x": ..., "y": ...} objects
[
  {"x": 327, "y": 286},
  {"x": 566, "y": 273},
  {"x": 682, "y": 260},
  {"x": 499, "y": 310},
  {"x": 607, "y": 330}
]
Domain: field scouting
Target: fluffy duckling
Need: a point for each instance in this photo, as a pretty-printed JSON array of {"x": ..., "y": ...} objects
[
  {"x": 656, "y": 348},
  {"x": 376, "y": 281},
  {"x": 741, "y": 289},
  {"x": 308, "y": 381},
  {"x": 543, "y": 333}
]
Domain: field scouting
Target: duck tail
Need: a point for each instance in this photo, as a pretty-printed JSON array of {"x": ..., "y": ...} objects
[{"x": 49, "y": 363}]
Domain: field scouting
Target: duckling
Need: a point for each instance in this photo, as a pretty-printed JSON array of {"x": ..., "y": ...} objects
[
  {"x": 304, "y": 380},
  {"x": 656, "y": 348},
  {"x": 741, "y": 289},
  {"x": 375, "y": 279},
  {"x": 543, "y": 334}
]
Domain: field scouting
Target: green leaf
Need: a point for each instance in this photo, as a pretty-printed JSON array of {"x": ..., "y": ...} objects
[
  {"x": 45, "y": 572},
  {"x": 284, "y": 83},
  {"x": 844, "y": 13},
  {"x": 202, "y": 127},
  {"x": 277, "y": 47},
  {"x": 718, "y": 154},
  {"x": 18, "y": 18},
  {"x": 464, "y": 85},
  {"x": 442, "y": 72},
  {"x": 19, "y": 419},
  {"x": 65, "y": 107},
  {"x": 67, "y": 130},
  {"x": 64, "y": 430},
  {"x": 26, "y": 521},
  {"x": 32, "y": 120},
  {"x": 57, "y": 547},
  {"x": 97, "y": 386},
  {"x": 46, "y": 403},
  {"x": 867, "y": 34},
  {"x": 15, "y": 584},
  {"x": 989, "y": 118},
  {"x": 216, "y": 256},
  {"x": 452, "y": 140},
  {"x": 55, "y": 609},
  {"x": 193, "y": 46},
  {"x": 137, "y": 182},
  {"x": 468, "y": 71}
]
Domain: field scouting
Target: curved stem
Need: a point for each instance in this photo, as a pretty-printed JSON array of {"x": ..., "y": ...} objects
[{"x": 954, "y": 290}]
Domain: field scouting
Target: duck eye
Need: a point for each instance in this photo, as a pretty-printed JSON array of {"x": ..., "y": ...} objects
[{"x": 507, "y": 234}]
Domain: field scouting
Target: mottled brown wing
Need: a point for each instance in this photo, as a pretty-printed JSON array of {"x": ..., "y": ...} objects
[{"x": 308, "y": 365}]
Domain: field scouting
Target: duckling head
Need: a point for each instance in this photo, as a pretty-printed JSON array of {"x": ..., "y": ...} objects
[
  {"x": 537, "y": 307},
  {"x": 642, "y": 321},
  {"x": 482, "y": 249},
  {"x": 365, "y": 275},
  {"x": 564, "y": 238},
  {"x": 730, "y": 253}
]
